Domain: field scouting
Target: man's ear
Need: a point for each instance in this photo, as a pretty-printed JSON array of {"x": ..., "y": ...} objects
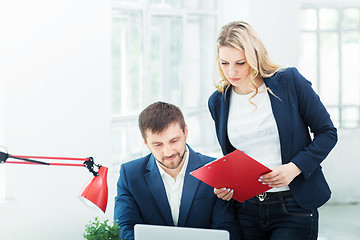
[{"x": 186, "y": 131}]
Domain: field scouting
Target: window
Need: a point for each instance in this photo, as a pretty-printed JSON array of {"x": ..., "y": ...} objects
[
  {"x": 163, "y": 50},
  {"x": 330, "y": 57}
]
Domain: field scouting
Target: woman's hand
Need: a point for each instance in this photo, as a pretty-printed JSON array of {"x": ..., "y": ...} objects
[
  {"x": 224, "y": 193},
  {"x": 281, "y": 176}
]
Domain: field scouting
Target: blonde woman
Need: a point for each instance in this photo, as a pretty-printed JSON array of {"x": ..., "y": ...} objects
[{"x": 267, "y": 111}]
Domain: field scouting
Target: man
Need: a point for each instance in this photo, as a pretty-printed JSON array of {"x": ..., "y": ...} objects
[{"x": 158, "y": 189}]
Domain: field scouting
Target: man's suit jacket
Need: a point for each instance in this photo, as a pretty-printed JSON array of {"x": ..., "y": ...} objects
[
  {"x": 141, "y": 198},
  {"x": 296, "y": 108}
]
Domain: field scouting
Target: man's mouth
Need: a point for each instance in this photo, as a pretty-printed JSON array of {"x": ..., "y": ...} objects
[{"x": 171, "y": 158}]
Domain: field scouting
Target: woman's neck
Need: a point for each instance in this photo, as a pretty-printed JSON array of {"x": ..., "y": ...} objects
[{"x": 244, "y": 88}]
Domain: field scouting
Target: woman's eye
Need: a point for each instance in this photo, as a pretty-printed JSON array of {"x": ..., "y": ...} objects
[
  {"x": 224, "y": 63},
  {"x": 241, "y": 63}
]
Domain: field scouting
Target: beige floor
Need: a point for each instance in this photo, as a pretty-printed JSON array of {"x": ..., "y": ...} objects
[{"x": 339, "y": 222}]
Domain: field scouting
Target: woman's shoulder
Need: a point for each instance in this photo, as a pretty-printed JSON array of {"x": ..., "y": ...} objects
[
  {"x": 216, "y": 96},
  {"x": 285, "y": 72},
  {"x": 216, "y": 100}
]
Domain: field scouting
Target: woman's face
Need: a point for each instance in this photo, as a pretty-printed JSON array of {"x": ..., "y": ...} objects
[{"x": 235, "y": 67}]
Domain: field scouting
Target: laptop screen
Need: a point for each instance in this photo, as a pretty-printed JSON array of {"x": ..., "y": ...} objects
[{"x": 156, "y": 232}]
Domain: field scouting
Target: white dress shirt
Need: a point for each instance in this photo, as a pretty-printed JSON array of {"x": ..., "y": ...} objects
[{"x": 174, "y": 187}]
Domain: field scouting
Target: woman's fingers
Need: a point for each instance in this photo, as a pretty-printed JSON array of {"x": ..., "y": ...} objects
[{"x": 224, "y": 193}]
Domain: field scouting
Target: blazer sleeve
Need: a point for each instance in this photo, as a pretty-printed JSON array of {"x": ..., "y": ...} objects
[
  {"x": 211, "y": 106},
  {"x": 223, "y": 217},
  {"x": 126, "y": 211},
  {"x": 314, "y": 116},
  {"x": 219, "y": 108}
]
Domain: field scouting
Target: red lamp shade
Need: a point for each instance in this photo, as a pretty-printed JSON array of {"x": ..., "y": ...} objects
[{"x": 96, "y": 190}]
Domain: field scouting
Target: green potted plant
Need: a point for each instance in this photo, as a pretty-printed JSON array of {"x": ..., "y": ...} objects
[{"x": 97, "y": 230}]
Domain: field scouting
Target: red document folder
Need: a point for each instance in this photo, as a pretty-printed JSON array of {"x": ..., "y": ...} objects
[{"x": 236, "y": 171}]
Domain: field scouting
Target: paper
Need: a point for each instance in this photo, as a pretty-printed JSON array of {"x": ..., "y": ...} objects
[{"x": 236, "y": 171}]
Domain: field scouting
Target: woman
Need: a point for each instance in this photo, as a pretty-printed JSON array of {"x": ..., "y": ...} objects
[{"x": 267, "y": 112}]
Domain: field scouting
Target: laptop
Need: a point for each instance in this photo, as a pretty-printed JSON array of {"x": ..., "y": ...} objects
[{"x": 156, "y": 232}]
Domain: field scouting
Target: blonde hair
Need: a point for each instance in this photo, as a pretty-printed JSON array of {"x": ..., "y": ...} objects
[{"x": 241, "y": 35}]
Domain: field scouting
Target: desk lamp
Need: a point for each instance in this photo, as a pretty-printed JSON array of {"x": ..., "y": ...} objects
[{"x": 95, "y": 190}]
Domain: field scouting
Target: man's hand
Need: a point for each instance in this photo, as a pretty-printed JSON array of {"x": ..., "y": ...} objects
[
  {"x": 281, "y": 176},
  {"x": 224, "y": 193}
]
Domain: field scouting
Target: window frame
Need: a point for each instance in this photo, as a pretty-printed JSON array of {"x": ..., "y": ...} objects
[
  {"x": 130, "y": 118},
  {"x": 340, "y": 31}
]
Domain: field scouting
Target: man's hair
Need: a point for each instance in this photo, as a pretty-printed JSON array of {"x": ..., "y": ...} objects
[{"x": 159, "y": 116}]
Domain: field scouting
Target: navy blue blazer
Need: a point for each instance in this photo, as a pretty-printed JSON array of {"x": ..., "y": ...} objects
[
  {"x": 141, "y": 198},
  {"x": 296, "y": 110}
]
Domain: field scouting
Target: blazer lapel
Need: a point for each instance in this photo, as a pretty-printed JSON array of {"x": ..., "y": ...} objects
[
  {"x": 189, "y": 188},
  {"x": 281, "y": 110},
  {"x": 157, "y": 189}
]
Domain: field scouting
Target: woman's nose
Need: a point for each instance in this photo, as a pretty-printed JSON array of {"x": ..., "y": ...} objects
[{"x": 232, "y": 71}]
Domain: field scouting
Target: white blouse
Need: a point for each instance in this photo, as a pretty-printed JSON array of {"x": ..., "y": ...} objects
[{"x": 252, "y": 129}]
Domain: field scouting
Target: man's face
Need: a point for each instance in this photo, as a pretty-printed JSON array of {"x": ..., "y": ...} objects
[{"x": 168, "y": 147}]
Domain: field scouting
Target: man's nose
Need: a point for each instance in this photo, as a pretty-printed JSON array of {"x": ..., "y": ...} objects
[{"x": 168, "y": 150}]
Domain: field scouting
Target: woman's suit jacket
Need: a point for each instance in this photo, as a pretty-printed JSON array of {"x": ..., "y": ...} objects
[
  {"x": 141, "y": 198},
  {"x": 296, "y": 108}
]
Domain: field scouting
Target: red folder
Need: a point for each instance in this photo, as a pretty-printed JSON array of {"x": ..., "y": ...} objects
[{"x": 236, "y": 171}]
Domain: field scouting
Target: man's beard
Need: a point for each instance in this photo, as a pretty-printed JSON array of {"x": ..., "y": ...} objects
[{"x": 178, "y": 154}]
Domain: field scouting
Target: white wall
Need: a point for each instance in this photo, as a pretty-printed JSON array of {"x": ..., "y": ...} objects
[
  {"x": 341, "y": 168},
  {"x": 56, "y": 78},
  {"x": 2, "y": 167}
]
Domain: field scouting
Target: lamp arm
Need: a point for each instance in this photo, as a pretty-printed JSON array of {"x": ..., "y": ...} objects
[
  {"x": 3, "y": 157},
  {"x": 28, "y": 160},
  {"x": 89, "y": 164}
]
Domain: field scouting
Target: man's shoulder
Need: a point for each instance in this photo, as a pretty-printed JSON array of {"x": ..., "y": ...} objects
[
  {"x": 204, "y": 159},
  {"x": 137, "y": 164}
]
